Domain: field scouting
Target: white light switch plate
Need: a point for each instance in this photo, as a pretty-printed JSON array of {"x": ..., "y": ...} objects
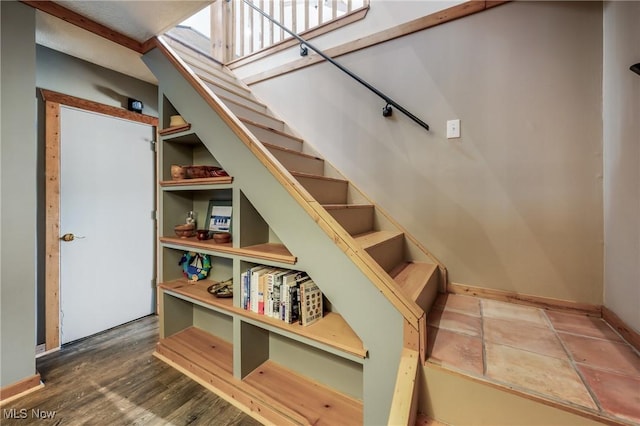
[{"x": 453, "y": 129}]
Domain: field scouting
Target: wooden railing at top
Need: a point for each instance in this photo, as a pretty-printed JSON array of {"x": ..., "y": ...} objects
[
  {"x": 414, "y": 316},
  {"x": 298, "y": 16}
]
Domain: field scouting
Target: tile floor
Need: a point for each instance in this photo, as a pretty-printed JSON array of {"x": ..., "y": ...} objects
[{"x": 571, "y": 359}]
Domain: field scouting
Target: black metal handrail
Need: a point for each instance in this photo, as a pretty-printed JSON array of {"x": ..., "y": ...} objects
[{"x": 386, "y": 110}]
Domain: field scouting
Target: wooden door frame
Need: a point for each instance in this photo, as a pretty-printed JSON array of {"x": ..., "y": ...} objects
[{"x": 53, "y": 101}]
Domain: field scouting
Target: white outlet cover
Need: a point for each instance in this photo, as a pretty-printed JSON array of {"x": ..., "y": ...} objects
[{"x": 453, "y": 129}]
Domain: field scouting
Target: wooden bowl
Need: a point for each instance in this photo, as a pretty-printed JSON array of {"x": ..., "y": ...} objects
[
  {"x": 184, "y": 230},
  {"x": 203, "y": 234},
  {"x": 222, "y": 237}
]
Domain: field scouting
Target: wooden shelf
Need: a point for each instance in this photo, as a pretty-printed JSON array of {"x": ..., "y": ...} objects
[
  {"x": 331, "y": 330},
  {"x": 202, "y": 348},
  {"x": 318, "y": 404},
  {"x": 267, "y": 251},
  {"x": 176, "y": 129},
  {"x": 221, "y": 180},
  {"x": 185, "y": 136},
  {"x": 198, "y": 291}
]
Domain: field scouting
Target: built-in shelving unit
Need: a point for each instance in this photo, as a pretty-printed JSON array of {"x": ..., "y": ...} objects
[{"x": 282, "y": 373}]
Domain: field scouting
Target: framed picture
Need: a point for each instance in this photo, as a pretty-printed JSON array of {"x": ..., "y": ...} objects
[{"x": 219, "y": 216}]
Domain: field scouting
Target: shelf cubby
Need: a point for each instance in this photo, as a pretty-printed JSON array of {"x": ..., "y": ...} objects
[
  {"x": 176, "y": 205},
  {"x": 209, "y": 352}
]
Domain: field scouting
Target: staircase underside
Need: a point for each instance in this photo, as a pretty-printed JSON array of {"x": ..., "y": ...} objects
[{"x": 479, "y": 370}]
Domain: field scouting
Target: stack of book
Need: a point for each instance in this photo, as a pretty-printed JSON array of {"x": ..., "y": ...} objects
[{"x": 290, "y": 296}]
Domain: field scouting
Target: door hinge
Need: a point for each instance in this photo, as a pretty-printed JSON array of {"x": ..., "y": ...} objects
[
  {"x": 153, "y": 282},
  {"x": 154, "y": 214},
  {"x": 154, "y": 146}
]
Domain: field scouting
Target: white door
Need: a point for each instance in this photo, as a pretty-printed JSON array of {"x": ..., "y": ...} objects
[{"x": 106, "y": 199}]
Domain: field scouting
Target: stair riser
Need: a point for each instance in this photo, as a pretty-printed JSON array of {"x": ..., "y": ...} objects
[
  {"x": 389, "y": 253},
  {"x": 419, "y": 282},
  {"x": 325, "y": 192},
  {"x": 234, "y": 96},
  {"x": 244, "y": 112},
  {"x": 297, "y": 163},
  {"x": 273, "y": 138},
  {"x": 222, "y": 83},
  {"x": 427, "y": 296},
  {"x": 193, "y": 58},
  {"x": 354, "y": 220}
]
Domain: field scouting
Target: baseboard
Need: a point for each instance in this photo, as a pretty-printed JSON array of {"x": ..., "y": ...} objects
[
  {"x": 20, "y": 388},
  {"x": 526, "y": 299},
  {"x": 627, "y": 333}
]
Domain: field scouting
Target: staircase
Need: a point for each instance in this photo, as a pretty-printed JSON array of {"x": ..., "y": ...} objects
[
  {"x": 385, "y": 267},
  {"x": 417, "y": 274}
]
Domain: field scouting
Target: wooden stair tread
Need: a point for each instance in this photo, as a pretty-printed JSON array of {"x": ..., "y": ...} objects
[
  {"x": 270, "y": 129},
  {"x": 226, "y": 99},
  {"x": 411, "y": 277},
  {"x": 208, "y": 351},
  {"x": 318, "y": 404},
  {"x": 209, "y": 82},
  {"x": 372, "y": 239},
  {"x": 347, "y": 206},
  {"x": 318, "y": 177},
  {"x": 271, "y": 146},
  {"x": 199, "y": 68}
]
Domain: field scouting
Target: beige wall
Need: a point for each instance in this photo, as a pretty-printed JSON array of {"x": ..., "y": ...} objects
[
  {"x": 516, "y": 203},
  {"x": 621, "y": 93}
]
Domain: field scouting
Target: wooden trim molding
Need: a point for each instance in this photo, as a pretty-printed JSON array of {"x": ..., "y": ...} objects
[
  {"x": 20, "y": 388},
  {"x": 404, "y": 405},
  {"x": 85, "y": 23},
  {"x": 423, "y": 23},
  {"x": 529, "y": 300},
  {"x": 72, "y": 101},
  {"x": 52, "y": 225},
  {"x": 628, "y": 333},
  {"x": 53, "y": 100}
]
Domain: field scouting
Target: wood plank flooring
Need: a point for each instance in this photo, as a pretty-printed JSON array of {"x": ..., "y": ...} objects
[{"x": 113, "y": 379}]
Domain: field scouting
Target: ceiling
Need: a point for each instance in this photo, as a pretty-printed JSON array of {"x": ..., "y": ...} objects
[{"x": 137, "y": 19}]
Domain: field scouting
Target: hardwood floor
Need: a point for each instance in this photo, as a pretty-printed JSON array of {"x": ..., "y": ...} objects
[{"x": 113, "y": 379}]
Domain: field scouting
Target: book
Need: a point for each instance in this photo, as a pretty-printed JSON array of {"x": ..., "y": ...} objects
[
  {"x": 294, "y": 298},
  {"x": 288, "y": 281},
  {"x": 272, "y": 295},
  {"x": 254, "y": 287},
  {"x": 310, "y": 303},
  {"x": 262, "y": 290},
  {"x": 244, "y": 293}
]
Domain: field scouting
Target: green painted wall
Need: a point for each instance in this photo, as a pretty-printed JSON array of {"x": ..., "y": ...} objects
[{"x": 18, "y": 193}]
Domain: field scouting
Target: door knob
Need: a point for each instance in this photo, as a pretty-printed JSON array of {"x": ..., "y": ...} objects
[{"x": 69, "y": 237}]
